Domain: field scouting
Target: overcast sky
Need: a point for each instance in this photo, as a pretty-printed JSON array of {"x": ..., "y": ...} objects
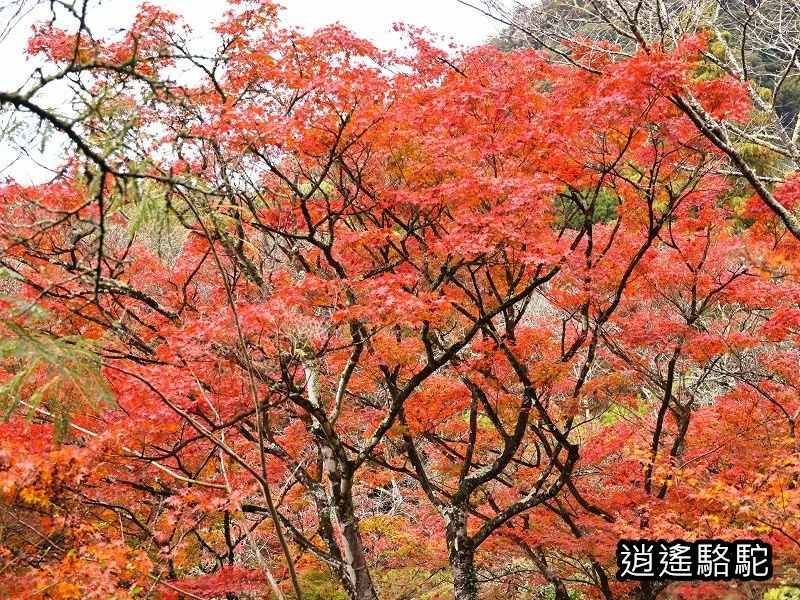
[{"x": 371, "y": 19}]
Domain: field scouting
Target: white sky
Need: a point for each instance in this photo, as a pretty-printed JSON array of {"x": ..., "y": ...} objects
[
  {"x": 370, "y": 19},
  {"x": 373, "y": 19}
]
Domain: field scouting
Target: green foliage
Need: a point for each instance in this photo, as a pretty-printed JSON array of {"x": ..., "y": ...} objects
[
  {"x": 413, "y": 582},
  {"x": 784, "y": 592},
  {"x": 320, "y": 585},
  {"x": 604, "y": 208},
  {"x": 60, "y": 374},
  {"x": 17, "y": 130},
  {"x": 153, "y": 215},
  {"x": 763, "y": 161},
  {"x": 149, "y": 210},
  {"x": 548, "y": 592},
  {"x": 393, "y": 583},
  {"x": 787, "y": 102}
]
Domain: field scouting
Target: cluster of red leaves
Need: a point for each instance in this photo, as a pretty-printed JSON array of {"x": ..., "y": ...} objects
[{"x": 352, "y": 194}]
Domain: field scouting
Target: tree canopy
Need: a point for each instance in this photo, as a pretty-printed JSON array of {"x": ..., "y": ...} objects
[{"x": 304, "y": 317}]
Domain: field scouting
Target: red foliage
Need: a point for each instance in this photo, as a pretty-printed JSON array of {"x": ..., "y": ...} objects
[{"x": 427, "y": 301}]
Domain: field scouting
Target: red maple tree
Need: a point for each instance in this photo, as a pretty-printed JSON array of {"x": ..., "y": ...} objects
[{"x": 305, "y": 317}]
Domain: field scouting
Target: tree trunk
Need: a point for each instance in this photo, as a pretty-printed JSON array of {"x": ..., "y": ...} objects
[
  {"x": 353, "y": 551},
  {"x": 465, "y": 583},
  {"x": 354, "y": 574},
  {"x": 462, "y": 555},
  {"x": 538, "y": 557},
  {"x": 353, "y": 555}
]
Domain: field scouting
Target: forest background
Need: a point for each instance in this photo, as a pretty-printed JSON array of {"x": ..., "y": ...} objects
[{"x": 294, "y": 315}]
